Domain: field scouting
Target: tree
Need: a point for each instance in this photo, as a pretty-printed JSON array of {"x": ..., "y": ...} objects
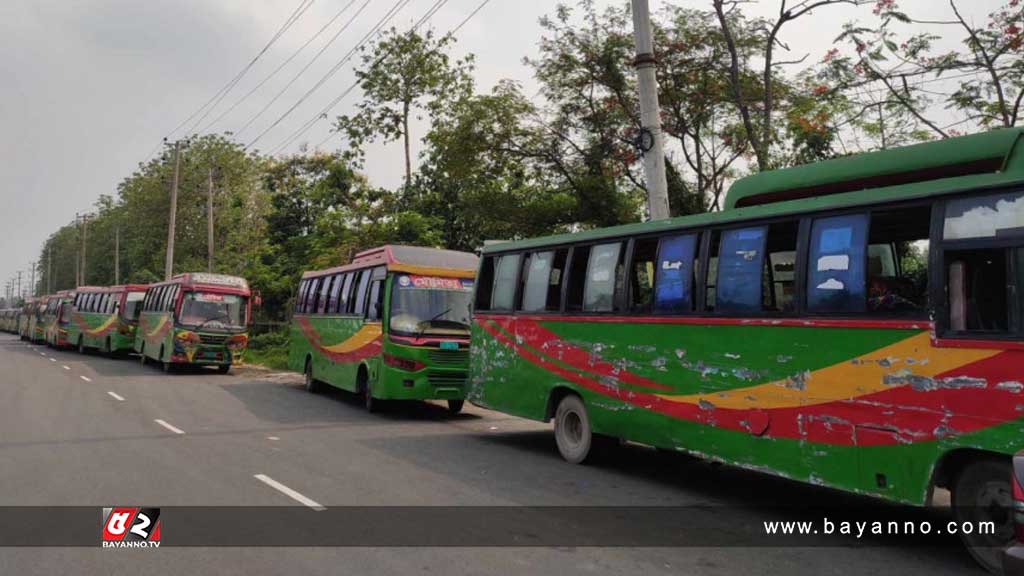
[{"x": 402, "y": 75}]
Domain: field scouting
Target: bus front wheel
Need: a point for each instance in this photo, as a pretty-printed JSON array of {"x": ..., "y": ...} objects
[
  {"x": 983, "y": 494},
  {"x": 81, "y": 345},
  {"x": 311, "y": 384},
  {"x": 572, "y": 430},
  {"x": 455, "y": 406}
]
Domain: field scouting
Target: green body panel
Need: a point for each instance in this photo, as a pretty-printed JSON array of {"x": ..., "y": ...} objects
[
  {"x": 710, "y": 360},
  {"x": 332, "y": 330},
  {"x": 105, "y": 332}
]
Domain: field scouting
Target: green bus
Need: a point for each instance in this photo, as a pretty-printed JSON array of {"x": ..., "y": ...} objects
[
  {"x": 9, "y": 320},
  {"x": 195, "y": 319},
  {"x": 55, "y": 318},
  {"x": 854, "y": 323},
  {"x": 392, "y": 325},
  {"x": 105, "y": 318}
]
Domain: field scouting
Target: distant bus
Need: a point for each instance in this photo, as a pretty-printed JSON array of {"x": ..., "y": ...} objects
[
  {"x": 855, "y": 323},
  {"x": 55, "y": 318},
  {"x": 105, "y": 318},
  {"x": 195, "y": 319},
  {"x": 392, "y": 325},
  {"x": 9, "y": 320},
  {"x": 26, "y": 317}
]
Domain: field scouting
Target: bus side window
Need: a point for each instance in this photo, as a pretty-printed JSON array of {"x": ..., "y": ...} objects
[
  {"x": 983, "y": 243},
  {"x": 835, "y": 275},
  {"x": 605, "y": 274},
  {"x": 358, "y": 306},
  {"x": 297, "y": 304},
  {"x": 325, "y": 294},
  {"x": 577, "y": 278},
  {"x": 542, "y": 281},
  {"x": 642, "y": 275},
  {"x": 346, "y": 289},
  {"x": 898, "y": 246},
  {"x": 484, "y": 284},
  {"x": 504, "y": 294},
  {"x": 740, "y": 262},
  {"x": 674, "y": 276},
  {"x": 332, "y": 298},
  {"x": 779, "y": 277},
  {"x": 376, "y": 302}
]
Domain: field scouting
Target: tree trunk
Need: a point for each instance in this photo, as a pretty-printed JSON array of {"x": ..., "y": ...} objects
[{"x": 408, "y": 153}]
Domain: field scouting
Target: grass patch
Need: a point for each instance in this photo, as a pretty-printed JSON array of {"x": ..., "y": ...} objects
[{"x": 269, "y": 350}]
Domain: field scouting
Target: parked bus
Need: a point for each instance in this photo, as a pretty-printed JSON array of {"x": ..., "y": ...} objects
[
  {"x": 56, "y": 316},
  {"x": 195, "y": 319},
  {"x": 392, "y": 325},
  {"x": 9, "y": 320},
  {"x": 25, "y": 319},
  {"x": 853, "y": 323},
  {"x": 105, "y": 318}
]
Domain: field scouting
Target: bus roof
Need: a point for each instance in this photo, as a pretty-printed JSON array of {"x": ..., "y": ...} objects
[
  {"x": 207, "y": 281},
  {"x": 938, "y": 168},
  {"x": 409, "y": 259},
  {"x": 118, "y": 288}
]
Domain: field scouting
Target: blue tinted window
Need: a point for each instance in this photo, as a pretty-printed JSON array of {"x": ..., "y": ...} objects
[
  {"x": 673, "y": 287},
  {"x": 835, "y": 279},
  {"x": 740, "y": 261}
]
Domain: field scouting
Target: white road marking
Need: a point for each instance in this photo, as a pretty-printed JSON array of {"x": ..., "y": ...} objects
[
  {"x": 169, "y": 427},
  {"x": 86, "y": 378},
  {"x": 66, "y": 367},
  {"x": 117, "y": 397},
  {"x": 272, "y": 438},
  {"x": 53, "y": 359},
  {"x": 289, "y": 492}
]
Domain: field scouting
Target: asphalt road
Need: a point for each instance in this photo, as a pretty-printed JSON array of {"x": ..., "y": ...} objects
[{"x": 92, "y": 431}]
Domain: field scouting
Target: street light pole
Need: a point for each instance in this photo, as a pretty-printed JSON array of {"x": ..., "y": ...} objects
[
  {"x": 169, "y": 262},
  {"x": 651, "y": 140}
]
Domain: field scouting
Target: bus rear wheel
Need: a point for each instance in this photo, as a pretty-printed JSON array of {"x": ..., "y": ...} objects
[
  {"x": 372, "y": 404},
  {"x": 81, "y": 345},
  {"x": 572, "y": 430},
  {"x": 311, "y": 383},
  {"x": 983, "y": 493}
]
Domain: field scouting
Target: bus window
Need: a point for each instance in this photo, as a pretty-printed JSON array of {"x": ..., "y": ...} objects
[
  {"x": 898, "y": 261},
  {"x": 346, "y": 289},
  {"x": 604, "y": 278},
  {"x": 673, "y": 289},
  {"x": 542, "y": 281},
  {"x": 779, "y": 279},
  {"x": 577, "y": 278},
  {"x": 485, "y": 284},
  {"x": 325, "y": 293},
  {"x": 359, "y": 298},
  {"x": 376, "y": 302},
  {"x": 641, "y": 275},
  {"x": 835, "y": 277},
  {"x": 300, "y": 296},
  {"x": 332, "y": 298},
  {"x": 740, "y": 261},
  {"x": 504, "y": 293}
]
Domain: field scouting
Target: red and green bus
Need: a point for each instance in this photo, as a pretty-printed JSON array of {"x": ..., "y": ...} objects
[
  {"x": 56, "y": 316},
  {"x": 9, "y": 320},
  {"x": 105, "y": 318},
  {"x": 854, "y": 323},
  {"x": 392, "y": 325},
  {"x": 195, "y": 319}
]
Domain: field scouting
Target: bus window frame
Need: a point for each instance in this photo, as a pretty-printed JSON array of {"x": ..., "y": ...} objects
[{"x": 938, "y": 292}]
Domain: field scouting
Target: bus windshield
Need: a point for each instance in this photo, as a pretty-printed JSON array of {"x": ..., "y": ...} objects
[
  {"x": 133, "y": 305},
  {"x": 209, "y": 310},
  {"x": 423, "y": 305}
]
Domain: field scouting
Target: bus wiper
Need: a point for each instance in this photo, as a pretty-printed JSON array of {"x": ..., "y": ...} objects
[{"x": 426, "y": 323}]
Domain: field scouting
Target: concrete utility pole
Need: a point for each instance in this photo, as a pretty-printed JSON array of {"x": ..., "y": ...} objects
[
  {"x": 209, "y": 222},
  {"x": 49, "y": 269},
  {"x": 78, "y": 251},
  {"x": 169, "y": 262},
  {"x": 32, "y": 278},
  {"x": 651, "y": 141},
  {"x": 19, "y": 284},
  {"x": 117, "y": 254}
]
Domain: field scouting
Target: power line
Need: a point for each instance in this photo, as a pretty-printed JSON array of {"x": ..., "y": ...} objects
[
  {"x": 323, "y": 114},
  {"x": 219, "y": 95},
  {"x": 397, "y": 7},
  {"x": 295, "y": 78},
  {"x": 281, "y": 66}
]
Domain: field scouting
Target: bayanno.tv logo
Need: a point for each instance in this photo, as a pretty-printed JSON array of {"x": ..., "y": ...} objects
[{"x": 131, "y": 527}]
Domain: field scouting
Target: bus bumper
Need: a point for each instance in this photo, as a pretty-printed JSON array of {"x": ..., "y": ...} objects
[{"x": 427, "y": 384}]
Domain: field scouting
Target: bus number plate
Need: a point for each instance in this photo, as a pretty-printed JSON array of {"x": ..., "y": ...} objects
[{"x": 449, "y": 345}]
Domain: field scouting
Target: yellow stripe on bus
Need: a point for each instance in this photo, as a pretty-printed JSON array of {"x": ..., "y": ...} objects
[
  {"x": 849, "y": 379},
  {"x": 103, "y": 326},
  {"x": 159, "y": 326},
  {"x": 429, "y": 271},
  {"x": 364, "y": 336}
]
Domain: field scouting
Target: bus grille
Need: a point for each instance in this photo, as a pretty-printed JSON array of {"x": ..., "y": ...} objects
[
  {"x": 437, "y": 378},
  {"x": 457, "y": 358},
  {"x": 212, "y": 340}
]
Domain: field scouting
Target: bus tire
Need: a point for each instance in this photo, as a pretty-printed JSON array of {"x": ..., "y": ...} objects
[
  {"x": 224, "y": 369},
  {"x": 312, "y": 385},
  {"x": 983, "y": 493},
  {"x": 81, "y": 345},
  {"x": 572, "y": 430},
  {"x": 455, "y": 406},
  {"x": 142, "y": 355},
  {"x": 363, "y": 383},
  {"x": 168, "y": 367},
  {"x": 108, "y": 350}
]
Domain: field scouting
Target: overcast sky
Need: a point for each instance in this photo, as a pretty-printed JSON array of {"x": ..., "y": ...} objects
[{"x": 91, "y": 86}]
